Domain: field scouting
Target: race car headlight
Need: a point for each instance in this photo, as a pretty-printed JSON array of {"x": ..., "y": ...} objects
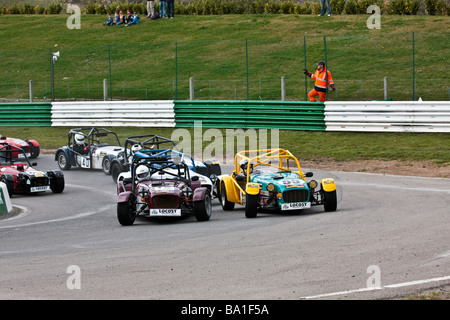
[
  {"x": 313, "y": 184},
  {"x": 270, "y": 187}
]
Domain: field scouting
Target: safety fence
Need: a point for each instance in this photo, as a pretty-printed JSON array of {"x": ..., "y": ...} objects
[
  {"x": 26, "y": 114},
  {"x": 233, "y": 69},
  {"x": 380, "y": 116}
]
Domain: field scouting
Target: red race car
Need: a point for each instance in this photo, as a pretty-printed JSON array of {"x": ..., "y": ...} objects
[
  {"x": 21, "y": 178},
  {"x": 30, "y": 147}
]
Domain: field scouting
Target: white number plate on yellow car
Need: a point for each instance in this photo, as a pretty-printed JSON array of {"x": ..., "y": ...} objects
[
  {"x": 295, "y": 205},
  {"x": 165, "y": 212}
]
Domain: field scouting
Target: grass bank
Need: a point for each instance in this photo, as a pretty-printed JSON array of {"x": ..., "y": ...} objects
[{"x": 230, "y": 57}]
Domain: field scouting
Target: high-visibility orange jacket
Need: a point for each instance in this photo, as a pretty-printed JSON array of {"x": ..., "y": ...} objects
[{"x": 323, "y": 80}]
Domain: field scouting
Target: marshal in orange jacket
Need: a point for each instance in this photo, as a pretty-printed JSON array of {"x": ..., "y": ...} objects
[{"x": 323, "y": 80}]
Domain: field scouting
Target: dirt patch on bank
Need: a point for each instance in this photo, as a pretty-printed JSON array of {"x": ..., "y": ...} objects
[{"x": 411, "y": 168}]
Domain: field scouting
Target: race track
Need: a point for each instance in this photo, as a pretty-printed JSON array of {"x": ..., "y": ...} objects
[{"x": 389, "y": 237}]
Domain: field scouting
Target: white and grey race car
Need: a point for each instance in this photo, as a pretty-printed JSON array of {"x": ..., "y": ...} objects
[{"x": 93, "y": 150}]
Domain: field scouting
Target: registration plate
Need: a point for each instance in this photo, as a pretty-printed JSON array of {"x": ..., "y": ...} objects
[
  {"x": 22, "y": 156},
  {"x": 37, "y": 189},
  {"x": 295, "y": 205},
  {"x": 165, "y": 212}
]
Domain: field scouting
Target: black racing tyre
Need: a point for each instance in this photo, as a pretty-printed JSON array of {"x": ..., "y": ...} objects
[
  {"x": 329, "y": 201},
  {"x": 213, "y": 169},
  {"x": 106, "y": 165},
  {"x": 251, "y": 206},
  {"x": 63, "y": 162},
  {"x": 9, "y": 182},
  {"x": 57, "y": 184},
  {"x": 226, "y": 205},
  {"x": 34, "y": 151},
  {"x": 116, "y": 169},
  {"x": 126, "y": 211},
  {"x": 203, "y": 208}
]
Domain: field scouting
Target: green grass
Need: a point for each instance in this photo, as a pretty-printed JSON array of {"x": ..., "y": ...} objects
[
  {"x": 306, "y": 145},
  {"x": 155, "y": 59}
]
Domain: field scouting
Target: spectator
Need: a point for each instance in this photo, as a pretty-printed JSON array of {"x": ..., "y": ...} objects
[
  {"x": 150, "y": 8},
  {"x": 116, "y": 19},
  {"x": 134, "y": 21},
  {"x": 121, "y": 19},
  {"x": 322, "y": 10},
  {"x": 170, "y": 8},
  {"x": 129, "y": 17},
  {"x": 110, "y": 20},
  {"x": 162, "y": 8}
]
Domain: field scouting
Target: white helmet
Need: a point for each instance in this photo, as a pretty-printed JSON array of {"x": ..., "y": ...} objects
[
  {"x": 79, "y": 139},
  {"x": 135, "y": 148},
  {"x": 142, "y": 173}
]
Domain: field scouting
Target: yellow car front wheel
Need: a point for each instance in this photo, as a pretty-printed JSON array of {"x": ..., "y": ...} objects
[
  {"x": 251, "y": 206},
  {"x": 226, "y": 205}
]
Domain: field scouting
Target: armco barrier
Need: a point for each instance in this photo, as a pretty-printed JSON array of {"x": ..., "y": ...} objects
[
  {"x": 291, "y": 115},
  {"x": 114, "y": 113},
  {"x": 5, "y": 201},
  {"x": 389, "y": 116},
  {"x": 373, "y": 116},
  {"x": 25, "y": 114}
]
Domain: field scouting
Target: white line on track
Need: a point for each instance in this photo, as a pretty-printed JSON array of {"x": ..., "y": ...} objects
[
  {"x": 76, "y": 216},
  {"x": 398, "y": 285}
]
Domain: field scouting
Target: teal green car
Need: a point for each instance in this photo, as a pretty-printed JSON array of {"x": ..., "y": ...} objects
[{"x": 272, "y": 180}]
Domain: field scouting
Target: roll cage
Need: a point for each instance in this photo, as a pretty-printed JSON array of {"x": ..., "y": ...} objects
[
  {"x": 246, "y": 161},
  {"x": 160, "y": 161},
  {"x": 6, "y": 155},
  {"x": 93, "y": 137},
  {"x": 148, "y": 142}
]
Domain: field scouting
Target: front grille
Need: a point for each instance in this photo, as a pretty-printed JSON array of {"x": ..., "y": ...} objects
[
  {"x": 299, "y": 195},
  {"x": 166, "y": 202},
  {"x": 39, "y": 182}
]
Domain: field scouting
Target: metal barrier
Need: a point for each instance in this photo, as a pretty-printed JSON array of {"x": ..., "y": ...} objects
[
  {"x": 5, "y": 201},
  {"x": 114, "y": 113},
  {"x": 373, "y": 116},
  {"x": 25, "y": 114},
  {"x": 392, "y": 116},
  {"x": 290, "y": 115}
]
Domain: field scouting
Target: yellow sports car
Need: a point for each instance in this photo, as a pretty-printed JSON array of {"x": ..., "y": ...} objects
[{"x": 272, "y": 180}]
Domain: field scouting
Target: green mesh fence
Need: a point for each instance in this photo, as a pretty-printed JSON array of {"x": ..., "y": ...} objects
[{"x": 240, "y": 69}]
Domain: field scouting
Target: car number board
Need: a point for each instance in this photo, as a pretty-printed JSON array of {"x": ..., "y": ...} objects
[
  {"x": 295, "y": 205},
  {"x": 40, "y": 188},
  {"x": 165, "y": 212}
]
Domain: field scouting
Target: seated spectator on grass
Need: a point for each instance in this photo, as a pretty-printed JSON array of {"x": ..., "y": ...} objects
[
  {"x": 129, "y": 17},
  {"x": 110, "y": 21},
  {"x": 122, "y": 19},
  {"x": 116, "y": 19},
  {"x": 135, "y": 20}
]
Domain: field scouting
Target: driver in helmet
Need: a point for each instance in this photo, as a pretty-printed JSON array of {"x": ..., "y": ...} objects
[
  {"x": 80, "y": 146},
  {"x": 134, "y": 148},
  {"x": 142, "y": 173}
]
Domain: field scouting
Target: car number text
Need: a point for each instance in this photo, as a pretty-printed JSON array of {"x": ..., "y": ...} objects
[
  {"x": 295, "y": 205},
  {"x": 165, "y": 212}
]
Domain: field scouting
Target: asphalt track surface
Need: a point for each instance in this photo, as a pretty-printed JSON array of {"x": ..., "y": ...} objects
[{"x": 389, "y": 237}]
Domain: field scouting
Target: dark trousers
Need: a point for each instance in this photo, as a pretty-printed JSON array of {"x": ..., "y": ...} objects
[{"x": 170, "y": 9}]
